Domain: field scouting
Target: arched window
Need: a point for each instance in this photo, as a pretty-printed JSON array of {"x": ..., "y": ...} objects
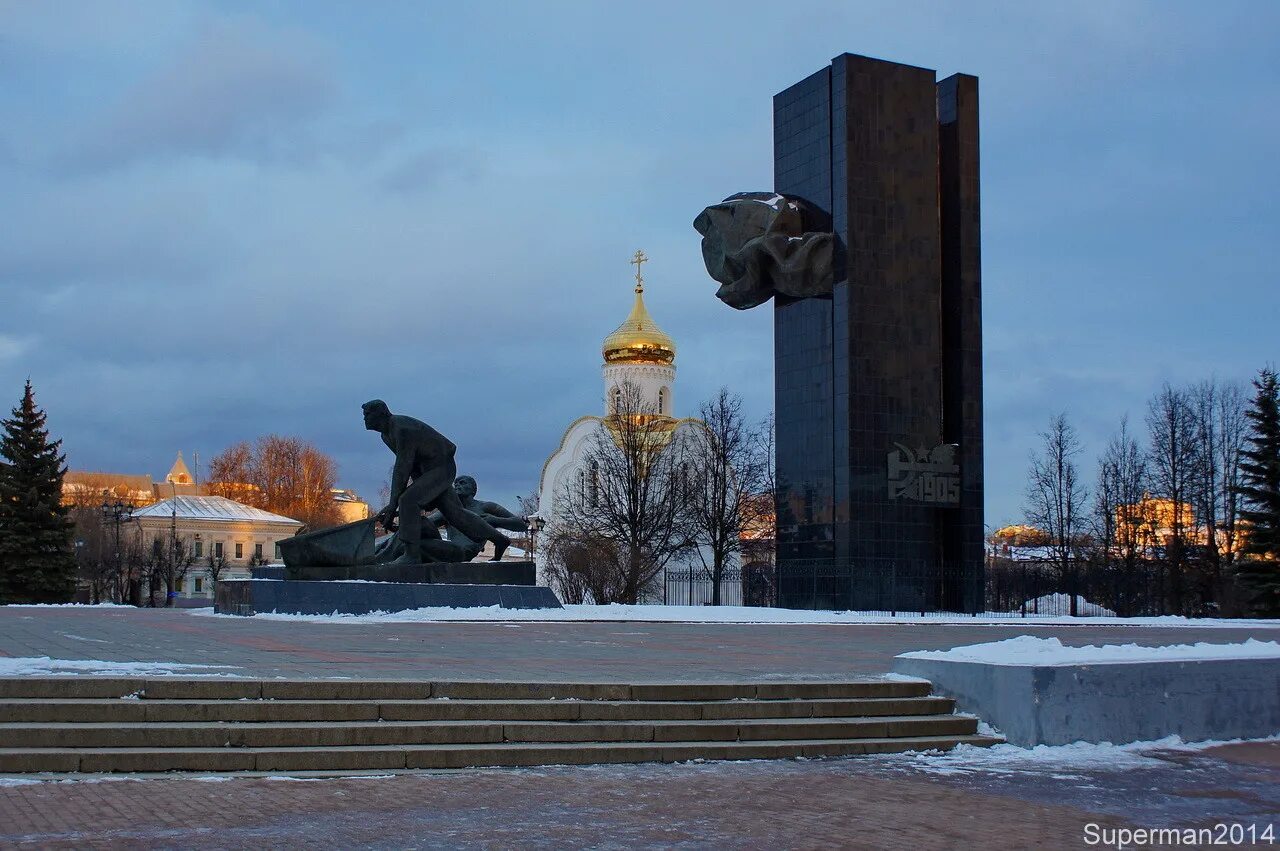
[
  {"x": 593, "y": 485},
  {"x": 617, "y": 398},
  {"x": 662, "y": 400}
]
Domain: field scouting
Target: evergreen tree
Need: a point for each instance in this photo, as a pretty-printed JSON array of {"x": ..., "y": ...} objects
[
  {"x": 1260, "y": 494},
  {"x": 37, "y": 564}
]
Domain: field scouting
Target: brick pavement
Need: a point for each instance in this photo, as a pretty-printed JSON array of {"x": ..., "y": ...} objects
[
  {"x": 525, "y": 651},
  {"x": 883, "y": 802}
]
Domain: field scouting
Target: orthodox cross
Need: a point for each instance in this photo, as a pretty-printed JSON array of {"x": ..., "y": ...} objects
[{"x": 636, "y": 261}]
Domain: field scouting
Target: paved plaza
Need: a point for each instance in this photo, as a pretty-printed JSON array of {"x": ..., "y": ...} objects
[
  {"x": 606, "y": 652},
  {"x": 998, "y": 799}
]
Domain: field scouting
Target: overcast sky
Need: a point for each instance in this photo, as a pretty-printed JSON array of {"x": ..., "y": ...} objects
[{"x": 219, "y": 221}]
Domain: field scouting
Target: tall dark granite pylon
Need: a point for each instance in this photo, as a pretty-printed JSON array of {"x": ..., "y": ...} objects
[{"x": 879, "y": 386}]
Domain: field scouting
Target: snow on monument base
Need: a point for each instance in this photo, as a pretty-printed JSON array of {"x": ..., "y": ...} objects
[{"x": 1045, "y": 695}]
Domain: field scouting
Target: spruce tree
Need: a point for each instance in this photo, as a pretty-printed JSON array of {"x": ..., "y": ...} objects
[
  {"x": 37, "y": 564},
  {"x": 1260, "y": 496}
]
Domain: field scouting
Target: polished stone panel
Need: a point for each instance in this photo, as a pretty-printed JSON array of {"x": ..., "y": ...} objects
[
  {"x": 250, "y": 596},
  {"x": 886, "y": 373}
]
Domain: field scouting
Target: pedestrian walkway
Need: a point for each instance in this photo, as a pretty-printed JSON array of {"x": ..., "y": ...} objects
[
  {"x": 620, "y": 652},
  {"x": 870, "y": 802}
]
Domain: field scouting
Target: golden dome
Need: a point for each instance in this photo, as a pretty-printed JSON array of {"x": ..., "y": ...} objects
[{"x": 639, "y": 339}]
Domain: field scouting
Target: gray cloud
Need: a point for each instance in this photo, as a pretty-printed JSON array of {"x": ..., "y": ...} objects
[
  {"x": 238, "y": 88},
  {"x": 435, "y": 168}
]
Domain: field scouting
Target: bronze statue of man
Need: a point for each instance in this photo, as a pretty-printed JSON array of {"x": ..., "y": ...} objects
[
  {"x": 493, "y": 513},
  {"x": 423, "y": 479}
]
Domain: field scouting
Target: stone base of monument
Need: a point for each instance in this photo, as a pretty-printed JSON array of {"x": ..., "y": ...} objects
[
  {"x": 363, "y": 589},
  {"x": 1115, "y": 702},
  {"x": 455, "y": 573}
]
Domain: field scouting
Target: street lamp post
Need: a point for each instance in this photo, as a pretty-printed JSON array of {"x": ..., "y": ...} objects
[
  {"x": 536, "y": 525},
  {"x": 118, "y": 512}
]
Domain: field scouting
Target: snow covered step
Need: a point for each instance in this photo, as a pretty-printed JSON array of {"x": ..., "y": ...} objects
[{"x": 451, "y": 755}]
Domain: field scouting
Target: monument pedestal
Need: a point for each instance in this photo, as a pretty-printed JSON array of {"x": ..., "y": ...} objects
[
  {"x": 361, "y": 589},
  {"x": 456, "y": 573}
]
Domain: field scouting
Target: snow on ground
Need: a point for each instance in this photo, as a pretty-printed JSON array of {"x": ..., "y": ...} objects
[
  {"x": 67, "y": 606},
  {"x": 43, "y": 666},
  {"x": 1029, "y": 650},
  {"x": 1079, "y": 756},
  {"x": 733, "y": 614}
]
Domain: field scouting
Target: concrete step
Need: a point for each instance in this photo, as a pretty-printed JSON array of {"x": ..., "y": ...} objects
[
  {"x": 380, "y": 733},
  {"x": 451, "y": 755},
  {"x": 174, "y": 688},
  {"x": 137, "y": 710},
  {"x": 112, "y": 724}
]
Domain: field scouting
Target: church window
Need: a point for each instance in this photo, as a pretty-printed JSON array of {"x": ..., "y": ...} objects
[
  {"x": 617, "y": 399},
  {"x": 594, "y": 485},
  {"x": 662, "y": 400}
]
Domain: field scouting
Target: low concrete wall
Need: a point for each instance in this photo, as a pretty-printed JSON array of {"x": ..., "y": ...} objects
[{"x": 1113, "y": 702}]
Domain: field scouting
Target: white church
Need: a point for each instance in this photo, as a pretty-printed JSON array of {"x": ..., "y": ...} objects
[{"x": 638, "y": 352}]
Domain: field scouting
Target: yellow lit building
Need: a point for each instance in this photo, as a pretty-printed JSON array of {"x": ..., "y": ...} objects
[
  {"x": 214, "y": 527},
  {"x": 87, "y": 489},
  {"x": 1152, "y": 520}
]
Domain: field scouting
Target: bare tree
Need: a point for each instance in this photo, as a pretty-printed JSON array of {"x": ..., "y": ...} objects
[
  {"x": 1118, "y": 499},
  {"x": 167, "y": 563},
  {"x": 1219, "y": 408},
  {"x": 94, "y": 550},
  {"x": 1055, "y": 499},
  {"x": 727, "y": 472},
  {"x": 628, "y": 497},
  {"x": 284, "y": 475},
  {"x": 1174, "y": 462},
  {"x": 579, "y": 567},
  {"x": 215, "y": 566}
]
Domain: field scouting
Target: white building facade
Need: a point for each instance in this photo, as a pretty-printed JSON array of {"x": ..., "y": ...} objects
[
  {"x": 637, "y": 353},
  {"x": 214, "y": 528}
]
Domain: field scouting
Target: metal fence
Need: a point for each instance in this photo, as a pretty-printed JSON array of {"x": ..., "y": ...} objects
[
  {"x": 694, "y": 587},
  {"x": 752, "y": 584},
  {"x": 872, "y": 586},
  {"x": 1142, "y": 589},
  {"x": 1000, "y": 587}
]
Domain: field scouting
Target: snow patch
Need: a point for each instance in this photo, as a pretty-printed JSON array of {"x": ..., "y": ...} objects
[
  {"x": 66, "y": 606},
  {"x": 42, "y": 666},
  {"x": 1029, "y": 650},
  {"x": 732, "y": 614},
  {"x": 1006, "y": 758}
]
